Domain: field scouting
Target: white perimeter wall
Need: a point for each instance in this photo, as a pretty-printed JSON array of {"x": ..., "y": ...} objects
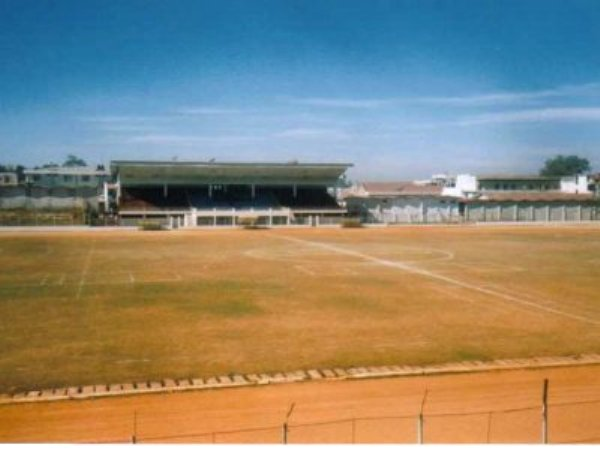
[
  {"x": 404, "y": 209},
  {"x": 530, "y": 212},
  {"x": 42, "y": 198}
]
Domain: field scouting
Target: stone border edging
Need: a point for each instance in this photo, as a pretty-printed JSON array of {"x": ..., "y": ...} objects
[{"x": 229, "y": 381}]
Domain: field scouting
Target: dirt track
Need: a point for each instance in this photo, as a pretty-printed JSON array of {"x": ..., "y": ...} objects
[{"x": 515, "y": 396}]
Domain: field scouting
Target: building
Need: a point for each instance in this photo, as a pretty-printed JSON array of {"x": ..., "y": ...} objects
[
  {"x": 190, "y": 194},
  {"x": 66, "y": 177},
  {"x": 57, "y": 188},
  {"x": 401, "y": 202},
  {"x": 9, "y": 179},
  {"x": 514, "y": 198}
]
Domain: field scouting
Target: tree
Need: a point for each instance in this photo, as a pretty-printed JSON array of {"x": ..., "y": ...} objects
[
  {"x": 74, "y": 161},
  {"x": 562, "y": 165}
]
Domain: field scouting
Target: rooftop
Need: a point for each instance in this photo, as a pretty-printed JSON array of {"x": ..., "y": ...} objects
[
  {"x": 140, "y": 173},
  {"x": 399, "y": 188}
]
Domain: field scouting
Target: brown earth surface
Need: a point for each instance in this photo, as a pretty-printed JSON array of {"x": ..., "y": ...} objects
[
  {"x": 82, "y": 308},
  {"x": 499, "y": 407}
]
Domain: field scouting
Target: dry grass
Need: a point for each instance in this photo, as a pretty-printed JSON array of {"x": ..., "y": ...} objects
[{"x": 97, "y": 307}]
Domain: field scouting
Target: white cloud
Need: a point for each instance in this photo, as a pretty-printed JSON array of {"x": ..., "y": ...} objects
[
  {"x": 573, "y": 114},
  {"x": 206, "y": 111},
  {"x": 177, "y": 139},
  {"x": 340, "y": 102},
  {"x": 313, "y": 133},
  {"x": 501, "y": 98}
]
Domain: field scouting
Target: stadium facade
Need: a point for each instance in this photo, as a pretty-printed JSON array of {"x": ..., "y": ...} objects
[
  {"x": 191, "y": 194},
  {"x": 470, "y": 198}
]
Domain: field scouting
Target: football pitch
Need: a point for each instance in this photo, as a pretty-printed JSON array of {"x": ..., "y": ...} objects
[{"x": 96, "y": 307}]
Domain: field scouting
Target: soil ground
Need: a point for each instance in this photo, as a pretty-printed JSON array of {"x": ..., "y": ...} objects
[
  {"x": 500, "y": 407},
  {"x": 97, "y": 307}
]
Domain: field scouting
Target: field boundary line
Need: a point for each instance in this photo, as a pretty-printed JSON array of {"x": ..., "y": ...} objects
[
  {"x": 409, "y": 268},
  {"x": 312, "y": 375}
]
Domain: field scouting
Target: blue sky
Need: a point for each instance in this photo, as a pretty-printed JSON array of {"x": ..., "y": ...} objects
[{"x": 402, "y": 89}]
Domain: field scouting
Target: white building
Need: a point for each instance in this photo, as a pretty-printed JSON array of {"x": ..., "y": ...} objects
[
  {"x": 401, "y": 202},
  {"x": 8, "y": 179}
]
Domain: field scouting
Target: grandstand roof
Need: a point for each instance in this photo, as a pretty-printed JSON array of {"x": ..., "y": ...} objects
[{"x": 152, "y": 173}]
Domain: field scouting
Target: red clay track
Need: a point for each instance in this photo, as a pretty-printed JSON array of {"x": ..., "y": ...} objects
[{"x": 484, "y": 407}]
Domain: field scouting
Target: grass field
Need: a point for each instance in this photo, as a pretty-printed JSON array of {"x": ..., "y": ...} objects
[{"x": 101, "y": 307}]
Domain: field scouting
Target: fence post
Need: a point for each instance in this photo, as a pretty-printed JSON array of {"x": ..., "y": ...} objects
[
  {"x": 545, "y": 413},
  {"x": 134, "y": 435},
  {"x": 420, "y": 437},
  {"x": 284, "y": 432}
]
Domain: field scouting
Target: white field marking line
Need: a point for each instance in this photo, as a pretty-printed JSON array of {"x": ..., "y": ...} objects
[
  {"x": 131, "y": 278},
  {"x": 305, "y": 270},
  {"x": 43, "y": 282},
  {"x": 489, "y": 267},
  {"x": 86, "y": 267},
  {"x": 435, "y": 276},
  {"x": 582, "y": 308}
]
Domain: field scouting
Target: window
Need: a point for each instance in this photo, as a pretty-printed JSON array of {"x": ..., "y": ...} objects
[
  {"x": 85, "y": 178},
  {"x": 67, "y": 178}
]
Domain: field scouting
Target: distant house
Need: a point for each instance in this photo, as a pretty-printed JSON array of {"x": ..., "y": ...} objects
[
  {"x": 513, "y": 198},
  {"x": 53, "y": 188},
  {"x": 9, "y": 179},
  {"x": 401, "y": 202},
  {"x": 67, "y": 177}
]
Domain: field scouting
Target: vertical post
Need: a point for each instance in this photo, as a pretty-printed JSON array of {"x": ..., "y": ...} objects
[
  {"x": 284, "y": 429},
  {"x": 284, "y": 432},
  {"x": 420, "y": 436},
  {"x": 545, "y": 413},
  {"x": 516, "y": 216},
  {"x": 134, "y": 435}
]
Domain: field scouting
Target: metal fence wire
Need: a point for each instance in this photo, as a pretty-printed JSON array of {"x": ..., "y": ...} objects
[{"x": 527, "y": 424}]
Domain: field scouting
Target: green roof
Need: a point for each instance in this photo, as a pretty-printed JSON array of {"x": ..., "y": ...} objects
[{"x": 149, "y": 173}]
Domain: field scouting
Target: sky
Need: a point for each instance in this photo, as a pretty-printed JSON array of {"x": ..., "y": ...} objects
[{"x": 402, "y": 89}]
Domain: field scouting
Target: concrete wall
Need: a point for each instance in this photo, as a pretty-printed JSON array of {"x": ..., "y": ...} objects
[
  {"x": 530, "y": 212},
  {"x": 404, "y": 209},
  {"x": 20, "y": 197}
]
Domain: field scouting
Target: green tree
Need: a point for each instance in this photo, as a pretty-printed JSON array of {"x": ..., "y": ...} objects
[
  {"x": 74, "y": 161},
  {"x": 562, "y": 165}
]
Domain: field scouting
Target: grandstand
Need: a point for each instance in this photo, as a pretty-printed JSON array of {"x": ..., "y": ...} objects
[{"x": 190, "y": 194}]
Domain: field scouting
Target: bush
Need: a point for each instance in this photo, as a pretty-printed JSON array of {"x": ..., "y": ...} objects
[
  {"x": 249, "y": 222},
  {"x": 351, "y": 223},
  {"x": 150, "y": 225}
]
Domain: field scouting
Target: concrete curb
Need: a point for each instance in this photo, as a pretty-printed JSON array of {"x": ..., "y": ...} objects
[{"x": 325, "y": 375}]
